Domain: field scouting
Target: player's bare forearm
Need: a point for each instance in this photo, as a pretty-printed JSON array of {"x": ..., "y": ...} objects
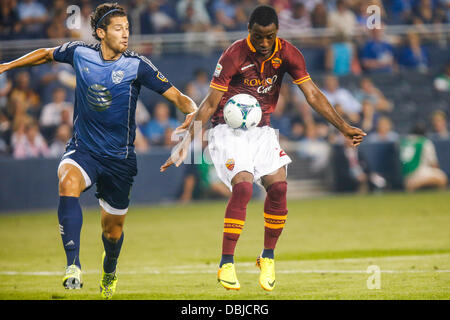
[
  {"x": 33, "y": 58},
  {"x": 204, "y": 113},
  {"x": 206, "y": 110},
  {"x": 320, "y": 103},
  {"x": 317, "y": 100},
  {"x": 181, "y": 101}
]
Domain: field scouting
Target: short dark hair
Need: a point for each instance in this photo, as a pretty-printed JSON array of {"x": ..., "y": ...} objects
[
  {"x": 263, "y": 15},
  {"x": 100, "y": 18}
]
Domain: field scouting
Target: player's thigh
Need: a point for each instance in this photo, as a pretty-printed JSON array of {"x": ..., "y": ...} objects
[
  {"x": 71, "y": 180},
  {"x": 278, "y": 175}
]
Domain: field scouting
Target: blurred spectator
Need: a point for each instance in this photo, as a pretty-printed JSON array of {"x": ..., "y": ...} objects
[
  {"x": 201, "y": 82},
  {"x": 341, "y": 96},
  {"x": 52, "y": 113},
  {"x": 33, "y": 15},
  {"x": 84, "y": 33},
  {"x": 140, "y": 143},
  {"x": 442, "y": 81},
  {"x": 368, "y": 91},
  {"x": 23, "y": 92},
  {"x": 142, "y": 114},
  {"x": 295, "y": 19},
  {"x": 413, "y": 55},
  {"x": 157, "y": 18},
  {"x": 314, "y": 148},
  {"x": 369, "y": 116},
  {"x": 62, "y": 136},
  {"x": 384, "y": 131},
  {"x": 225, "y": 13},
  {"x": 9, "y": 19},
  {"x": 377, "y": 54},
  {"x": 280, "y": 120},
  {"x": 341, "y": 58},
  {"x": 342, "y": 20},
  {"x": 350, "y": 168},
  {"x": 201, "y": 180},
  {"x": 27, "y": 141},
  {"x": 199, "y": 86},
  {"x": 5, "y": 133},
  {"x": 5, "y": 88},
  {"x": 193, "y": 15},
  {"x": 362, "y": 14},
  {"x": 439, "y": 124},
  {"x": 155, "y": 130},
  {"x": 428, "y": 12},
  {"x": 399, "y": 11},
  {"x": 311, "y": 4},
  {"x": 420, "y": 166},
  {"x": 319, "y": 16}
]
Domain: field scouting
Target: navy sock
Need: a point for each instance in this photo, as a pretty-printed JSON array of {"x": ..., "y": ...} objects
[
  {"x": 226, "y": 258},
  {"x": 112, "y": 250},
  {"x": 268, "y": 253},
  {"x": 70, "y": 220}
]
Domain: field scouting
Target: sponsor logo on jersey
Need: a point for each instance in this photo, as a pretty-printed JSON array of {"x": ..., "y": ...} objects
[
  {"x": 276, "y": 63},
  {"x": 264, "y": 86},
  {"x": 218, "y": 70},
  {"x": 282, "y": 153},
  {"x": 230, "y": 164},
  {"x": 117, "y": 76},
  {"x": 99, "y": 97}
]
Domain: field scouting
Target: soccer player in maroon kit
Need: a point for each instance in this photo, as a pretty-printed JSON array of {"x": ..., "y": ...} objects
[{"x": 255, "y": 66}]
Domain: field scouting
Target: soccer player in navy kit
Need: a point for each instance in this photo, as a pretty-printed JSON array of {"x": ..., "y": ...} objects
[{"x": 101, "y": 151}]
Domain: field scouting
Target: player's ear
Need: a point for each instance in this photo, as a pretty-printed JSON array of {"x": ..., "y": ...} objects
[{"x": 100, "y": 33}]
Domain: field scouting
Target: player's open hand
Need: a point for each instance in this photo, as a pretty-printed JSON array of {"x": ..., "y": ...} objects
[
  {"x": 187, "y": 122},
  {"x": 354, "y": 134},
  {"x": 179, "y": 153}
]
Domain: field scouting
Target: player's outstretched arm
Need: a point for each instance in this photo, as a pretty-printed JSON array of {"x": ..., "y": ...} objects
[
  {"x": 184, "y": 103},
  {"x": 204, "y": 113},
  {"x": 33, "y": 58},
  {"x": 320, "y": 103}
]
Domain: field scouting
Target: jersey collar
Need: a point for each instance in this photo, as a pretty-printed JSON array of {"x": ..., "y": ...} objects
[{"x": 252, "y": 49}]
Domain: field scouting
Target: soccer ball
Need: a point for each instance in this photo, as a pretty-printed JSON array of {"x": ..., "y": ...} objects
[{"x": 242, "y": 111}]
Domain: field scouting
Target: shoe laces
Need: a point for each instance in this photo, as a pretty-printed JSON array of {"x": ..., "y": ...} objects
[{"x": 108, "y": 278}]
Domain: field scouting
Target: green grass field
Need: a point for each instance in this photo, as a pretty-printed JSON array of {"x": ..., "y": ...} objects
[{"x": 171, "y": 252}]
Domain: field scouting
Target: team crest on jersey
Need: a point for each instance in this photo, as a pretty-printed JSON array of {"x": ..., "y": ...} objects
[
  {"x": 276, "y": 63},
  {"x": 161, "y": 77},
  {"x": 117, "y": 76},
  {"x": 230, "y": 164}
]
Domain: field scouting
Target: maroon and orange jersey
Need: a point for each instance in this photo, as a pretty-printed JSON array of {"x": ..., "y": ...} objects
[{"x": 240, "y": 70}]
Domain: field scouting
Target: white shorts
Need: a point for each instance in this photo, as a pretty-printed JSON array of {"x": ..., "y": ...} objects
[{"x": 256, "y": 151}]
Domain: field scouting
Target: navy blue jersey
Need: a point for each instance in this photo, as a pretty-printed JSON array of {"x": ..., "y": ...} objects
[{"x": 106, "y": 96}]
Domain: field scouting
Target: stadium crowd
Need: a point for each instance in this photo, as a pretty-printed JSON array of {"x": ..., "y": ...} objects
[
  {"x": 30, "y": 19},
  {"x": 36, "y": 105}
]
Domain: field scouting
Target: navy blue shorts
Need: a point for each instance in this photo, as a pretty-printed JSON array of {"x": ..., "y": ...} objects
[{"x": 113, "y": 177}]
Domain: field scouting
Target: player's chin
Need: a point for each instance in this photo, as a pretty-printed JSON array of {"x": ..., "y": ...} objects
[{"x": 123, "y": 46}]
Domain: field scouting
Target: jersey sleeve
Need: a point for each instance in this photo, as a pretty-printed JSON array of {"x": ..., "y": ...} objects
[
  {"x": 296, "y": 65},
  {"x": 65, "y": 52},
  {"x": 149, "y": 76},
  {"x": 225, "y": 70}
]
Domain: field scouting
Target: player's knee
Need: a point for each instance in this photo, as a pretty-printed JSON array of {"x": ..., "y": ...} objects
[
  {"x": 113, "y": 234},
  {"x": 70, "y": 185},
  {"x": 277, "y": 190},
  {"x": 244, "y": 190}
]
